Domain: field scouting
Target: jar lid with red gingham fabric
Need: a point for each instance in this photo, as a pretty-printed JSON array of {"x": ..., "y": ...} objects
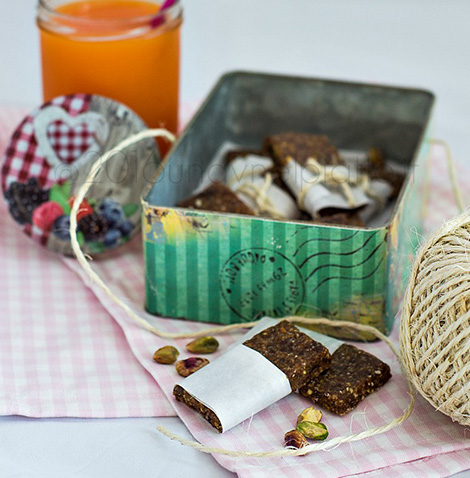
[{"x": 50, "y": 155}]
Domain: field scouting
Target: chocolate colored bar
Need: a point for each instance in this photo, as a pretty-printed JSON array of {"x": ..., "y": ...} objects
[
  {"x": 353, "y": 375},
  {"x": 342, "y": 219},
  {"x": 183, "y": 396},
  {"x": 296, "y": 354},
  {"x": 300, "y": 147},
  {"x": 218, "y": 198}
]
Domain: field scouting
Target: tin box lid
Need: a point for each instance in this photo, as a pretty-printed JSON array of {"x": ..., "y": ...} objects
[{"x": 49, "y": 157}]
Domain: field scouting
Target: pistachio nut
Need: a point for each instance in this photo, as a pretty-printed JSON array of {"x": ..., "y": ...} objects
[
  {"x": 190, "y": 365},
  {"x": 316, "y": 431},
  {"x": 309, "y": 415},
  {"x": 294, "y": 439},
  {"x": 203, "y": 345},
  {"x": 167, "y": 354}
]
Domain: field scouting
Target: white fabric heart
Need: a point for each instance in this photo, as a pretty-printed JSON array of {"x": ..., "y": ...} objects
[{"x": 51, "y": 114}]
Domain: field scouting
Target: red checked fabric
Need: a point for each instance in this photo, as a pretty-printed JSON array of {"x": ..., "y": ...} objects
[
  {"x": 22, "y": 159},
  {"x": 70, "y": 143}
]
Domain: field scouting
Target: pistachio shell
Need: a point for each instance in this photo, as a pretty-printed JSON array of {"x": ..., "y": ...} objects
[
  {"x": 309, "y": 415},
  {"x": 294, "y": 439},
  {"x": 316, "y": 431},
  {"x": 167, "y": 354},
  {"x": 203, "y": 345},
  {"x": 190, "y": 365}
]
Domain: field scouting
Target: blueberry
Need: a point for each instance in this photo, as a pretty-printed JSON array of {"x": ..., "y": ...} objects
[
  {"x": 126, "y": 228},
  {"x": 61, "y": 228},
  {"x": 112, "y": 237},
  {"x": 112, "y": 211}
]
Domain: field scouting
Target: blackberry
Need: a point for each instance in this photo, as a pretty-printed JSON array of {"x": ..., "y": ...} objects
[
  {"x": 94, "y": 227},
  {"x": 24, "y": 198}
]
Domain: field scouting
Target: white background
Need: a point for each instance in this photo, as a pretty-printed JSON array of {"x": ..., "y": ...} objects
[{"x": 422, "y": 43}]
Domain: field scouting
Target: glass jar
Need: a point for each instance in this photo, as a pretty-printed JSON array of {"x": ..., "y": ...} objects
[{"x": 122, "y": 49}]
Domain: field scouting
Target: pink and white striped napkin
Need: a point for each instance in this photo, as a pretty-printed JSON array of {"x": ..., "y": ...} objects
[
  {"x": 61, "y": 354},
  {"x": 429, "y": 443}
]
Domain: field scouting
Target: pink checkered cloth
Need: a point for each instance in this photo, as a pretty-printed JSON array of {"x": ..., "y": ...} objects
[
  {"x": 428, "y": 444},
  {"x": 61, "y": 354}
]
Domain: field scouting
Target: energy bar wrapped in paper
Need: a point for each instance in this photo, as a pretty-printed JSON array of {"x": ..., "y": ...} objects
[
  {"x": 323, "y": 189},
  {"x": 253, "y": 375},
  {"x": 250, "y": 178}
]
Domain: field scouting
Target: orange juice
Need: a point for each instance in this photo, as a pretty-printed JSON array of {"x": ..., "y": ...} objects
[{"x": 123, "y": 49}]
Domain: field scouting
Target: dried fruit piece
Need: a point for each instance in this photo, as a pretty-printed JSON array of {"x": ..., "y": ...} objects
[
  {"x": 167, "y": 354},
  {"x": 190, "y": 365},
  {"x": 203, "y": 345},
  {"x": 309, "y": 415},
  {"x": 317, "y": 431},
  {"x": 294, "y": 439}
]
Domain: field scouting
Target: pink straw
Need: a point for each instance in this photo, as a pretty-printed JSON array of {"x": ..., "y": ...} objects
[
  {"x": 158, "y": 20},
  {"x": 167, "y": 4}
]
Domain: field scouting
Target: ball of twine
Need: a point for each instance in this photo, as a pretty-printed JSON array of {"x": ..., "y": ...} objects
[{"x": 435, "y": 322}]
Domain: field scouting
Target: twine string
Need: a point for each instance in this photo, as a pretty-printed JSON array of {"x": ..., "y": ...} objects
[
  {"x": 324, "y": 175},
  {"x": 85, "y": 262},
  {"x": 94, "y": 277},
  {"x": 457, "y": 192},
  {"x": 285, "y": 452},
  {"x": 259, "y": 194}
]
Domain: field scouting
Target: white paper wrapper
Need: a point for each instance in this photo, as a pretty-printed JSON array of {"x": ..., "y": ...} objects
[
  {"x": 250, "y": 171},
  {"x": 373, "y": 213},
  {"x": 237, "y": 385},
  {"x": 216, "y": 169},
  {"x": 318, "y": 196},
  {"x": 242, "y": 382},
  {"x": 380, "y": 191}
]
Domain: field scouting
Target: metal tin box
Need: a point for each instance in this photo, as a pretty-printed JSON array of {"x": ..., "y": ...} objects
[{"x": 212, "y": 267}]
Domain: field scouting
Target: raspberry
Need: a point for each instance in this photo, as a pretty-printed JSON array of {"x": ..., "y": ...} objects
[
  {"x": 45, "y": 215},
  {"x": 94, "y": 227}
]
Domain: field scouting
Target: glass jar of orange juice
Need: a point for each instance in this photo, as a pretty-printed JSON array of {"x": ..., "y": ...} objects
[{"x": 127, "y": 50}]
